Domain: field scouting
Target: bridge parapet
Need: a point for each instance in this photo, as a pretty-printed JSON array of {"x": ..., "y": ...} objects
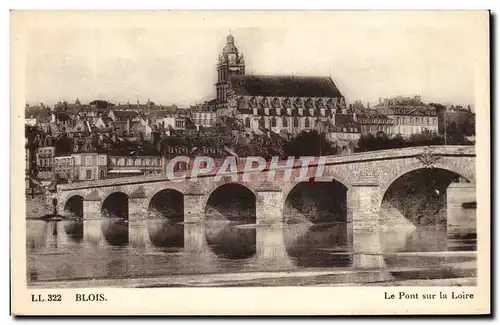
[
  {"x": 402, "y": 152},
  {"x": 346, "y": 174}
]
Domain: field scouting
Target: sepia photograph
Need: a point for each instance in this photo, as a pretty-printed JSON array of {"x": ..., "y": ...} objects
[{"x": 251, "y": 150}]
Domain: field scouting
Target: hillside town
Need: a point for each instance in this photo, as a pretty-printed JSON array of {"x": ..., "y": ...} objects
[{"x": 251, "y": 115}]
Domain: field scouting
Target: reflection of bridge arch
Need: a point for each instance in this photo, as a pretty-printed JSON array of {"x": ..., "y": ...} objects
[
  {"x": 231, "y": 201},
  {"x": 115, "y": 214},
  {"x": 418, "y": 195},
  {"x": 74, "y": 207},
  {"x": 315, "y": 202}
]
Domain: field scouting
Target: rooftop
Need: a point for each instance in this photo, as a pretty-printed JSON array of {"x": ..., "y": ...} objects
[{"x": 284, "y": 86}]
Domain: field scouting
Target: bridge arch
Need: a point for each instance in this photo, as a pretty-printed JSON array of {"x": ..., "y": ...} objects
[
  {"x": 232, "y": 201},
  {"x": 229, "y": 206},
  {"x": 165, "y": 217},
  {"x": 315, "y": 202},
  {"x": 465, "y": 169},
  {"x": 73, "y": 207},
  {"x": 115, "y": 213},
  {"x": 167, "y": 203},
  {"x": 416, "y": 196},
  {"x": 315, "y": 214}
]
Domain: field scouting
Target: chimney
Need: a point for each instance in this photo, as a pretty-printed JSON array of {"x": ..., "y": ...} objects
[{"x": 380, "y": 100}]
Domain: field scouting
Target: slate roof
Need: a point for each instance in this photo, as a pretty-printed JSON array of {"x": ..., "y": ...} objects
[
  {"x": 284, "y": 86},
  {"x": 125, "y": 114}
]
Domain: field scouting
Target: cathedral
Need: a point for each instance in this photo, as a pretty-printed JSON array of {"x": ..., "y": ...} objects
[{"x": 276, "y": 103}]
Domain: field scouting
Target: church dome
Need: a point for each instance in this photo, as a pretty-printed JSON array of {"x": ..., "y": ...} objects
[{"x": 230, "y": 48}]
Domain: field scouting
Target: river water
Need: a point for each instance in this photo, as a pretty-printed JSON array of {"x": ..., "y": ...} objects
[{"x": 59, "y": 250}]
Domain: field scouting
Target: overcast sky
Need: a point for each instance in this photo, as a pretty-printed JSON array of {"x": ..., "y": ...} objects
[{"x": 171, "y": 59}]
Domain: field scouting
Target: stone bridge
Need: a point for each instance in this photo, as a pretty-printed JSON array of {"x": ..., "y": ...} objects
[{"x": 367, "y": 191}]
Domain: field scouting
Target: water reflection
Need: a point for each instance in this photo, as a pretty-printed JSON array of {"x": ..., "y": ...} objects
[
  {"x": 231, "y": 240},
  {"x": 115, "y": 231},
  {"x": 164, "y": 233},
  {"x": 59, "y": 250},
  {"x": 74, "y": 230},
  {"x": 320, "y": 245}
]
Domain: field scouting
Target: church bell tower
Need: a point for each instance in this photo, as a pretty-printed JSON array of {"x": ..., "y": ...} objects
[{"x": 230, "y": 62}]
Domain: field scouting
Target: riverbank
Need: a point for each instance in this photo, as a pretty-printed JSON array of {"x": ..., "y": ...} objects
[
  {"x": 37, "y": 207},
  {"x": 464, "y": 274}
]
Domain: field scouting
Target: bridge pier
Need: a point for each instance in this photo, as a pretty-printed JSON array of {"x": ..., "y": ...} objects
[
  {"x": 271, "y": 248},
  {"x": 138, "y": 223},
  {"x": 363, "y": 211},
  {"x": 92, "y": 232},
  {"x": 461, "y": 212},
  {"x": 194, "y": 212},
  {"x": 194, "y": 208},
  {"x": 269, "y": 207}
]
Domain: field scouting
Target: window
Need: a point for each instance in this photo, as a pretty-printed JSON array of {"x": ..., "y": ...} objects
[
  {"x": 101, "y": 174},
  {"x": 158, "y": 162},
  {"x": 247, "y": 122},
  {"x": 142, "y": 162},
  {"x": 88, "y": 160},
  {"x": 130, "y": 162},
  {"x": 262, "y": 123},
  {"x": 285, "y": 122},
  {"x": 89, "y": 174},
  {"x": 307, "y": 122},
  {"x": 102, "y": 160},
  {"x": 295, "y": 122},
  {"x": 121, "y": 162},
  {"x": 273, "y": 121}
]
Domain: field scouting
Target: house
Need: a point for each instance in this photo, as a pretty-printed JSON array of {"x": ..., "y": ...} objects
[
  {"x": 373, "y": 122},
  {"x": 344, "y": 134},
  {"x": 103, "y": 122},
  {"x": 122, "y": 115},
  {"x": 409, "y": 114}
]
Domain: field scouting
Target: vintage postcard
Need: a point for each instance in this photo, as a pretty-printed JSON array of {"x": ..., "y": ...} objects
[{"x": 250, "y": 162}]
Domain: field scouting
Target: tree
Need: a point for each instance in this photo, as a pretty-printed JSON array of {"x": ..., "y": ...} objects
[{"x": 310, "y": 143}]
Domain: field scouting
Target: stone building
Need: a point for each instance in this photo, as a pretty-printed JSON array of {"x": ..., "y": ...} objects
[
  {"x": 372, "y": 123},
  {"x": 409, "y": 114},
  {"x": 132, "y": 165},
  {"x": 276, "y": 103},
  {"x": 45, "y": 157},
  {"x": 204, "y": 115}
]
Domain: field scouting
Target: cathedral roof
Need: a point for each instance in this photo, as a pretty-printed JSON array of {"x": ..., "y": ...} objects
[
  {"x": 230, "y": 47},
  {"x": 284, "y": 86}
]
